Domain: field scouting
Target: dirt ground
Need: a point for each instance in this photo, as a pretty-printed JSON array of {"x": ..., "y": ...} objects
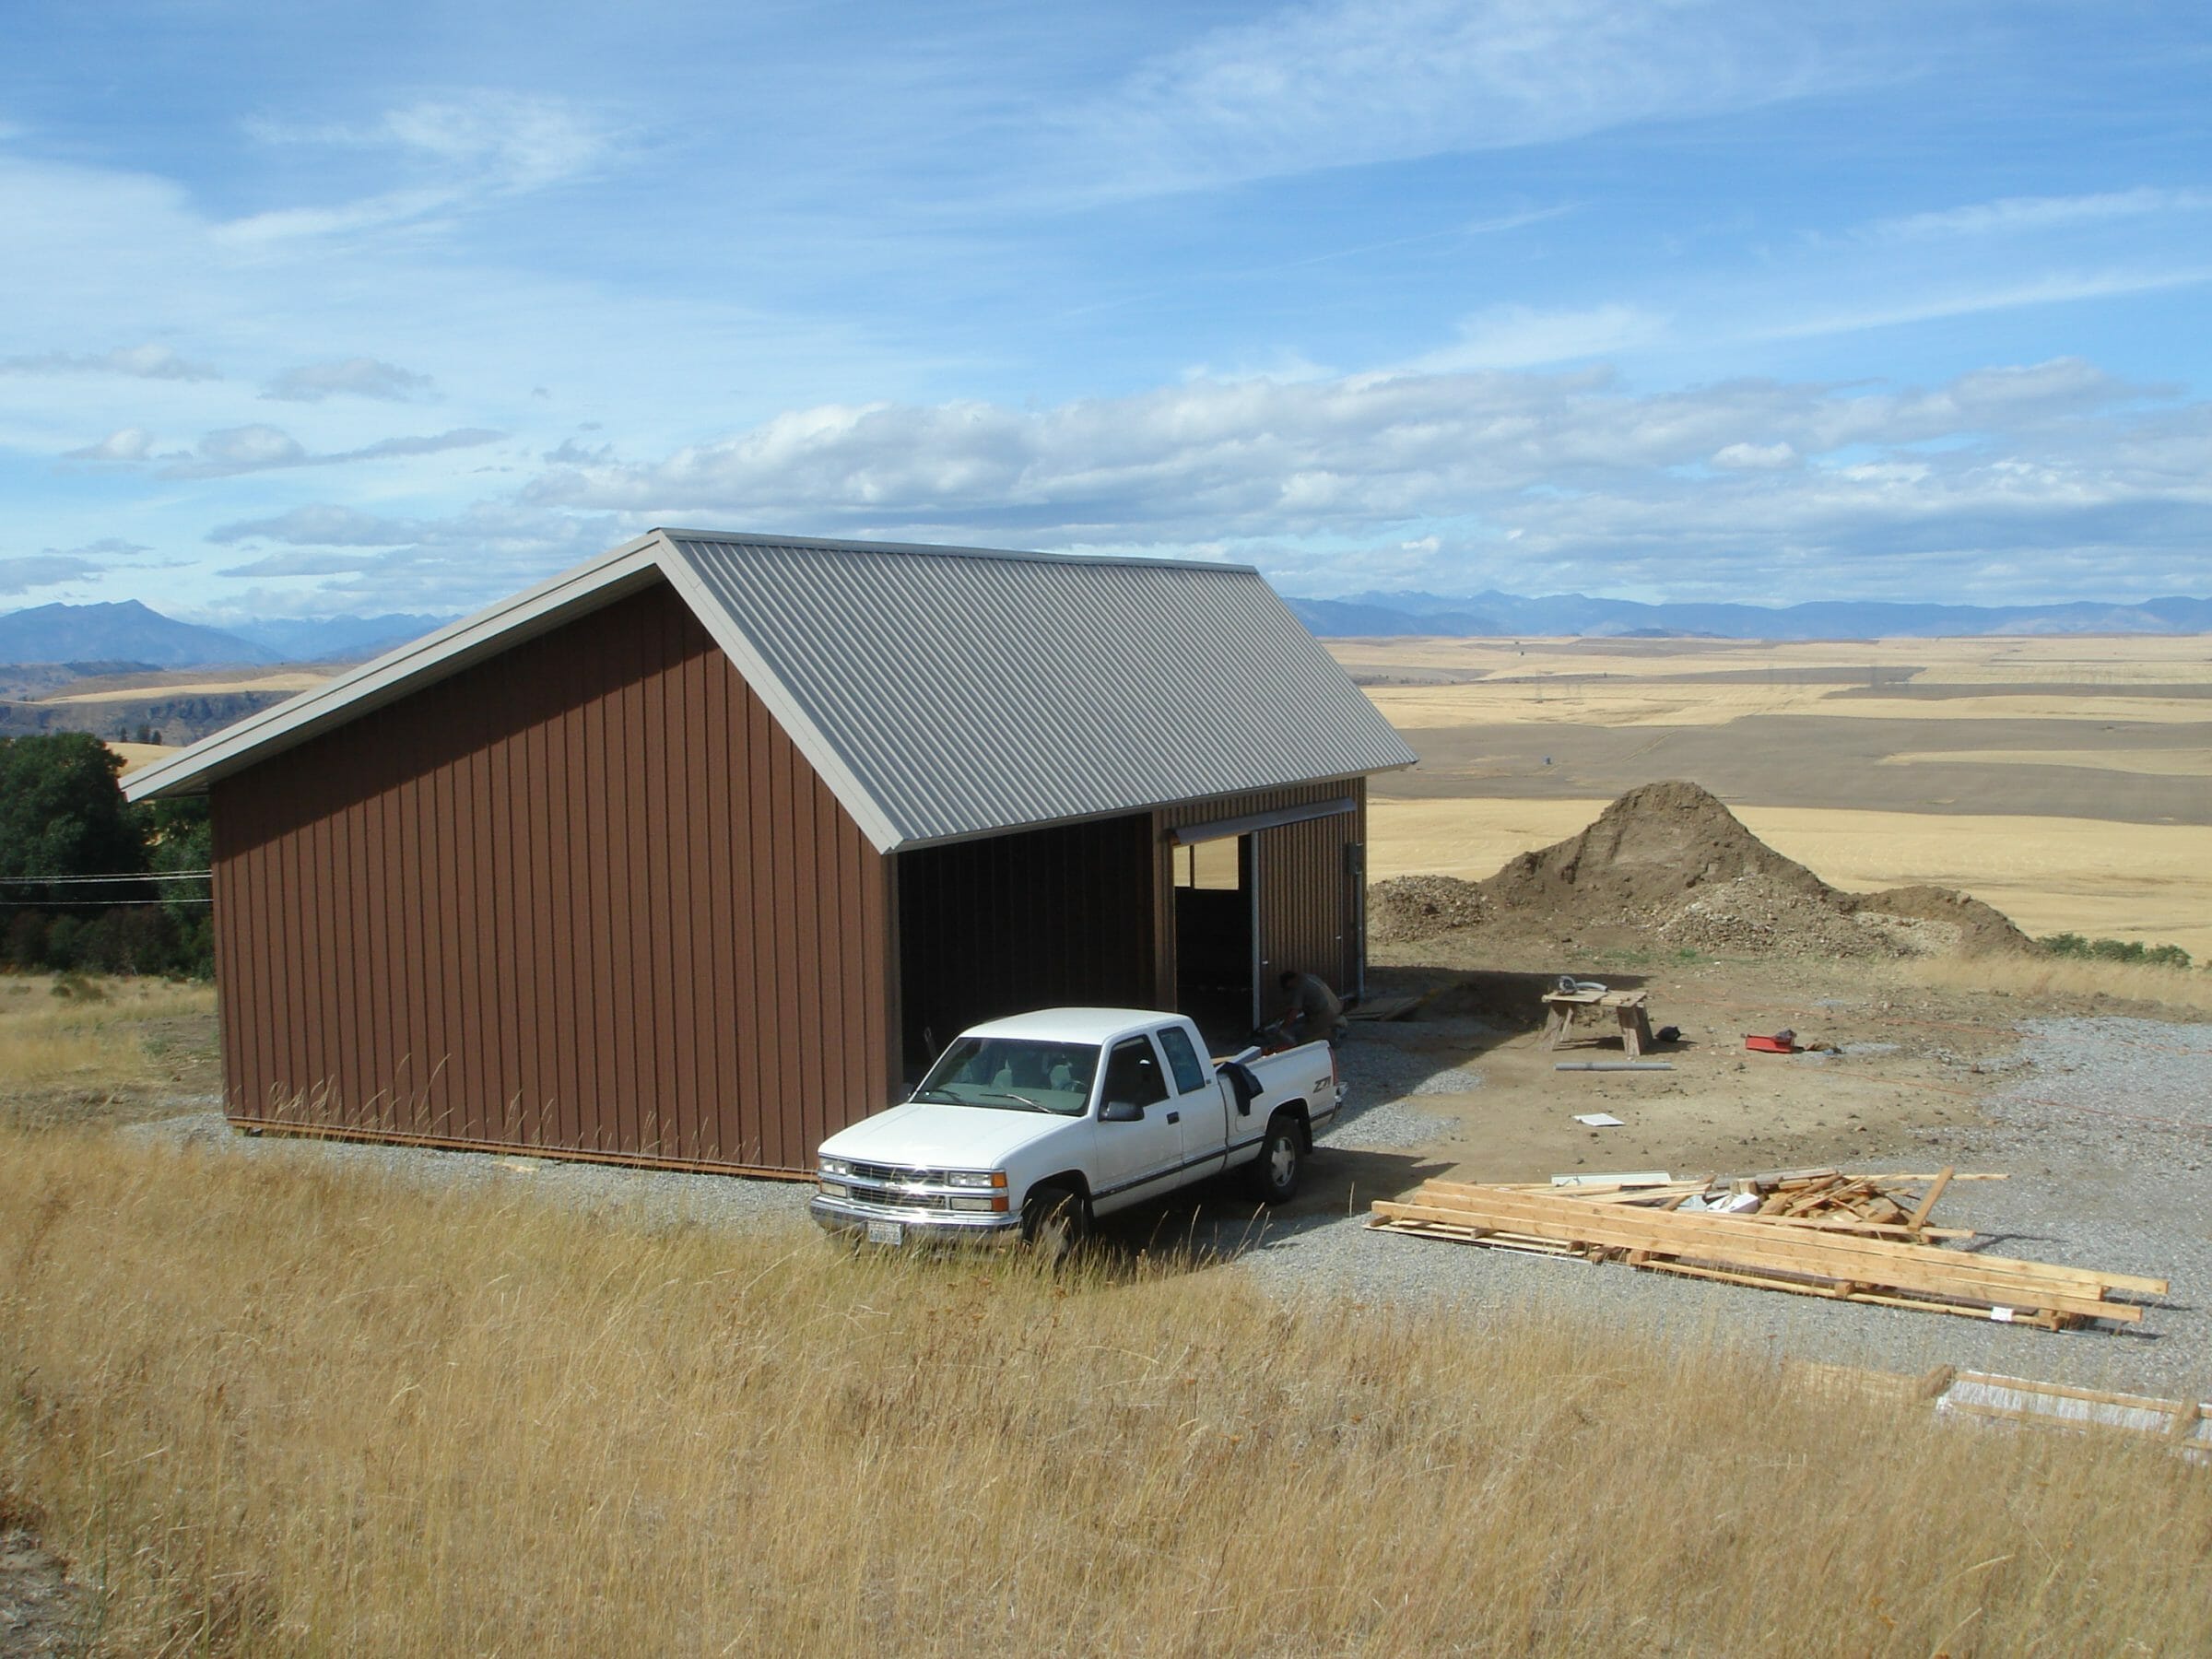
[
  {"x": 1905, "y": 1059},
  {"x": 42, "y": 1609}
]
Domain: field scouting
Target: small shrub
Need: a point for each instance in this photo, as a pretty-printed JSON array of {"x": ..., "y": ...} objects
[{"x": 2116, "y": 950}]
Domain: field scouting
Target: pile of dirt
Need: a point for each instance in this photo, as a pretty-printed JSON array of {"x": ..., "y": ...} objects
[
  {"x": 1418, "y": 907},
  {"x": 1643, "y": 855},
  {"x": 1671, "y": 859},
  {"x": 1974, "y": 927}
]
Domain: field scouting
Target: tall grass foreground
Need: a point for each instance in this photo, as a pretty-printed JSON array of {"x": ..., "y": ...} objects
[{"x": 265, "y": 1405}]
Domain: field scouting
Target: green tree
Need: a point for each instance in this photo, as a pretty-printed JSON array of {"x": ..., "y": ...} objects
[
  {"x": 62, "y": 813},
  {"x": 180, "y": 837}
]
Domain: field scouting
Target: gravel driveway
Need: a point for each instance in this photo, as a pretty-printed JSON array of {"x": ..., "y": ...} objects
[
  {"x": 2105, "y": 1128},
  {"x": 2105, "y": 1131}
]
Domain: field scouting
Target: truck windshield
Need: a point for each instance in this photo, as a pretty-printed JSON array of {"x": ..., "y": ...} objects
[{"x": 1013, "y": 1075}]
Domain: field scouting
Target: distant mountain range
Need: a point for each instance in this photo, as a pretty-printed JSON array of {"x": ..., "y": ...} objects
[
  {"x": 337, "y": 638},
  {"x": 129, "y": 634},
  {"x": 1495, "y": 614},
  {"x": 116, "y": 635}
]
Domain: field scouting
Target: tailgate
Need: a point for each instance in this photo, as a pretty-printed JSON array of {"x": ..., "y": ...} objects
[{"x": 1307, "y": 1073}]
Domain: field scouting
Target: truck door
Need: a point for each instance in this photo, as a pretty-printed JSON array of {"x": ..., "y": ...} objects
[
  {"x": 1199, "y": 1102},
  {"x": 1146, "y": 1148}
]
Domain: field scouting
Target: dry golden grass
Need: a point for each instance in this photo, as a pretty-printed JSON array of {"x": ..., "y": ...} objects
[
  {"x": 135, "y": 754},
  {"x": 87, "y": 1033},
  {"x": 271, "y": 1408},
  {"x": 2061, "y": 978},
  {"x": 2133, "y": 659},
  {"x": 151, "y": 685}
]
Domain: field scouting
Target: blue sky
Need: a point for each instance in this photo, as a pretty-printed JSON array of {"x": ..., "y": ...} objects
[{"x": 318, "y": 308}]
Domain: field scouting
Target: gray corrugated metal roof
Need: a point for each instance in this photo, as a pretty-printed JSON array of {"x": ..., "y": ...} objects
[
  {"x": 964, "y": 691},
  {"x": 945, "y": 692}
]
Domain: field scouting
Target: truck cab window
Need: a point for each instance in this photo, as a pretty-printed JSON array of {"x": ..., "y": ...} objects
[
  {"x": 1132, "y": 1074},
  {"x": 1182, "y": 1060}
]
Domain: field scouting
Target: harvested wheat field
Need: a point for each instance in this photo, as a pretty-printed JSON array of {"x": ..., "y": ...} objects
[{"x": 2062, "y": 779}]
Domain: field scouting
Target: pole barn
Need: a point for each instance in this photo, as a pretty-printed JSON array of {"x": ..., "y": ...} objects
[{"x": 692, "y": 854}]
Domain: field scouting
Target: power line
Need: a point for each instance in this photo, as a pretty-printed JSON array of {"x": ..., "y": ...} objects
[
  {"x": 94, "y": 903},
  {"x": 105, "y": 880}
]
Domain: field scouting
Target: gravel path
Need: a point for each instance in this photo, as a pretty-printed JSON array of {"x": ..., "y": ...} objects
[{"x": 2104, "y": 1126}]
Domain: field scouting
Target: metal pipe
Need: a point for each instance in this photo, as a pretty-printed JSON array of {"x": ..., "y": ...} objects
[{"x": 1614, "y": 1066}]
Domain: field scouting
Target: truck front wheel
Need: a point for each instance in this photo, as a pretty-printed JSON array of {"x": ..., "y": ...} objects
[
  {"x": 1056, "y": 1221},
  {"x": 1282, "y": 1162}
]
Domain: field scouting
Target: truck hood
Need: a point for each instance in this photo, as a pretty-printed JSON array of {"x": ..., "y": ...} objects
[{"x": 924, "y": 1136}]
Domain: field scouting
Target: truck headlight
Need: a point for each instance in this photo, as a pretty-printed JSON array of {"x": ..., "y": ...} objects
[
  {"x": 836, "y": 1166},
  {"x": 975, "y": 1178},
  {"x": 833, "y": 1189},
  {"x": 994, "y": 1204}
]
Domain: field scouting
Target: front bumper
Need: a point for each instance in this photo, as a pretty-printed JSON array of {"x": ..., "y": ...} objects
[{"x": 845, "y": 1218}]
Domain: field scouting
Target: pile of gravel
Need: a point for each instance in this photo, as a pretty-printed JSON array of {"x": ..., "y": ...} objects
[{"x": 1406, "y": 907}]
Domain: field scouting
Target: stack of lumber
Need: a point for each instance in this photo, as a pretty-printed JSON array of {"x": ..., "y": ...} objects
[
  {"x": 1883, "y": 1206},
  {"x": 1815, "y": 1233}
]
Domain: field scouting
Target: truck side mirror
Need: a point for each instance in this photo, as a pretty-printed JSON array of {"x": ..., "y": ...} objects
[{"x": 1120, "y": 1112}]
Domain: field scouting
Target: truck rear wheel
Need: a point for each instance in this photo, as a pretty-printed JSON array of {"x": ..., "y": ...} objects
[
  {"x": 1056, "y": 1221},
  {"x": 1282, "y": 1160}
]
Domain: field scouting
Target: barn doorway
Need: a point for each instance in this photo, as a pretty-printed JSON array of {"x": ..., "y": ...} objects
[
  {"x": 1217, "y": 934},
  {"x": 1034, "y": 919}
]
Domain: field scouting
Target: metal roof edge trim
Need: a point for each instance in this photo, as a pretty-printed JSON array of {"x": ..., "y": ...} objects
[
  {"x": 769, "y": 687},
  {"x": 922, "y": 843},
  {"x": 748, "y": 538},
  {"x": 438, "y": 656}
]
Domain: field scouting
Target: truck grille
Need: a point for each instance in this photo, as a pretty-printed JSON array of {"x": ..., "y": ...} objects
[
  {"x": 895, "y": 1176},
  {"x": 880, "y": 1183}
]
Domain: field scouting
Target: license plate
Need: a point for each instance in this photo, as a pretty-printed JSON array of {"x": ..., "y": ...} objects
[{"x": 886, "y": 1232}]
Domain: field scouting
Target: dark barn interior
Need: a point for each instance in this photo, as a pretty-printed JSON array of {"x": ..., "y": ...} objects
[{"x": 1044, "y": 917}]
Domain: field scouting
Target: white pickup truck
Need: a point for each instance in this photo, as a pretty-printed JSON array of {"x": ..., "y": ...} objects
[{"x": 1028, "y": 1128}]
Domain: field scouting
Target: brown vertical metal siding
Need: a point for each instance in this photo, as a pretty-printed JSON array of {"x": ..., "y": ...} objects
[
  {"x": 1305, "y": 912},
  {"x": 1039, "y": 918},
  {"x": 585, "y": 898}
]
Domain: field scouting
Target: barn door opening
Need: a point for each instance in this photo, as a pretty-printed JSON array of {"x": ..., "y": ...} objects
[{"x": 1217, "y": 934}]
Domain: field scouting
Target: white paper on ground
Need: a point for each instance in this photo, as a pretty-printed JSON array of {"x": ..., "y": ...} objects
[{"x": 1600, "y": 1120}]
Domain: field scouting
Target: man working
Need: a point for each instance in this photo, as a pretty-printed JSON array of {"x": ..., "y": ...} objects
[{"x": 1314, "y": 1011}]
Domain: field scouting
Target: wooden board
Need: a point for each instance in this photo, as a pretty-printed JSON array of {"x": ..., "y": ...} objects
[{"x": 1840, "y": 1257}]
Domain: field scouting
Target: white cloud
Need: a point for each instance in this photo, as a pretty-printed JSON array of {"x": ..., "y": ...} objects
[
  {"x": 125, "y": 443},
  {"x": 1932, "y": 303},
  {"x": 463, "y": 150},
  {"x": 44, "y": 569},
  {"x": 323, "y": 525},
  {"x": 1520, "y": 336},
  {"x": 142, "y": 362},
  {"x": 303, "y": 562},
  {"x": 259, "y": 448},
  {"x": 1756, "y": 457},
  {"x": 1578, "y": 477},
  {"x": 2013, "y": 215},
  {"x": 440, "y": 565},
  {"x": 351, "y": 377},
  {"x": 1342, "y": 82}
]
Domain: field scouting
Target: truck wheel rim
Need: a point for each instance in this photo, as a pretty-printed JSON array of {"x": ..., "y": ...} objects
[{"x": 1282, "y": 1161}]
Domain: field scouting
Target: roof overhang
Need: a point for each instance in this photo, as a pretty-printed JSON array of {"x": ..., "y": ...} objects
[{"x": 400, "y": 672}]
